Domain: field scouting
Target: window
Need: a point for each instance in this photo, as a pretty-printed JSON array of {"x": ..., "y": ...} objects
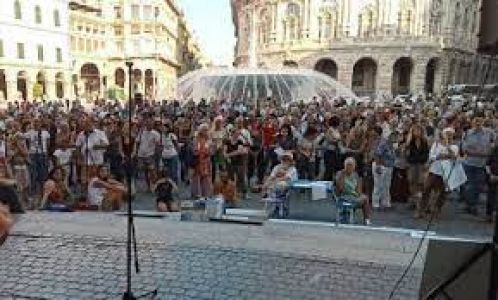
[
  {"x": 57, "y": 18},
  {"x": 17, "y": 10},
  {"x": 20, "y": 50},
  {"x": 58, "y": 53},
  {"x": 117, "y": 12},
  {"x": 40, "y": 53},
  {"x": 148, "y": 13},
  {"x": 1, "y": 48},
  {"x": 118, "y": 30},
  {"x": 136, "y": 46},
  {"x": 38, "y": 15},
  {"x": 135, "y": 12}
]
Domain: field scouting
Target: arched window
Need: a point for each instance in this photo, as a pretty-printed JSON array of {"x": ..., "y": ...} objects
[
  {"x": 17, "y": 10},
  {"x": 57, "y": 18},
  {"x": 38, "y": 15}
]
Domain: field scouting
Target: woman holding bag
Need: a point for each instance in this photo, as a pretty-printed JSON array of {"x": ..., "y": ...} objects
[{"x": 445, "y": 173}]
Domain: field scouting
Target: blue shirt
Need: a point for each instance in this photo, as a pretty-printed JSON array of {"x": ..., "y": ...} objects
[
  {"x": 478, "y": 140},
  {"x": 385, "y": 152}
]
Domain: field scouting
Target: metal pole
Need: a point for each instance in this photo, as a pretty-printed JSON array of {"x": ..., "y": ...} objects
[{"x": 128, "y": 295}]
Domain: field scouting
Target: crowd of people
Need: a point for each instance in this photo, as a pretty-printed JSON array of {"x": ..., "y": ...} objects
[{"x": 61, "y": 155}]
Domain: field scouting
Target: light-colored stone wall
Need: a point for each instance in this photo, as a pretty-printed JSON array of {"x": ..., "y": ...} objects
[
  {"x": 31, "y": 34},
  {"x": 271, "y": 33}
]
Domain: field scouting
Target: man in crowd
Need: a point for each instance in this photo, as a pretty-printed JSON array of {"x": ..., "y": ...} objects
[
  {"x": 91, "y": 143},
  {"x": 147, "y": 142},
  {"x": 477, "y": 144}
]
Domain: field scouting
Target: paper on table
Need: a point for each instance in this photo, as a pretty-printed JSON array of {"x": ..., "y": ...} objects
[{"x": 318, "y": 191}]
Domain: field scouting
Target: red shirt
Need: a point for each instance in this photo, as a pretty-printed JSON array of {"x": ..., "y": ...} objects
[{"x": 269, "y": 135}]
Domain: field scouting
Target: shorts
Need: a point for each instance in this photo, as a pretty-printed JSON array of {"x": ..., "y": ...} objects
[{"x": 146, "y": 163}]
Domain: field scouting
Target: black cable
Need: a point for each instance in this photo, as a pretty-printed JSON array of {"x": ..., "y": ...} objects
[{"x": 409, "y": 266}]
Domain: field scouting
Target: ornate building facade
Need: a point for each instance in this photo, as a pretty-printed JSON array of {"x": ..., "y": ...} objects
[
  {"x": 106, "y": 34},
  {"x": 78, "y": 48},
  {"x": 375, "y": 47},
  {"x": 34, "y": 49}
]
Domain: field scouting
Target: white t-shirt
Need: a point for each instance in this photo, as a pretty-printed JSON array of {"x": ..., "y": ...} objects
[
  {"x": 96, "y": 193},
  {"x": 147, "y": 141},
  {"x": 169, "y": 149},
  {"x": 34, "y": 137},
  {"x": 96, "y": 137},
  {"x": 63, "y": 156},
  {"x": 440, "y": 167}
]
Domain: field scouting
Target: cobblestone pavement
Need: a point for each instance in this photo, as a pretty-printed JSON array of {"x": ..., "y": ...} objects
[{"x": 82, "y": 255}]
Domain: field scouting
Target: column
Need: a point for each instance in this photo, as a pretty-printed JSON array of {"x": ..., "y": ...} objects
[
  {"x": 68, "y": 90},
  {"x": 384, "y": 76},
  {"x": 417, "y": 83},
  {"x": 305, "y": 27},
  {"x": 29, "y": 89},
  {"x": 50, "y": 90},
  {"x": 11, "y": 84}
]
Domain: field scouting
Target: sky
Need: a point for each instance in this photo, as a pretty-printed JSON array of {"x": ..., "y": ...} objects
[{"x": 212, "y": 23}]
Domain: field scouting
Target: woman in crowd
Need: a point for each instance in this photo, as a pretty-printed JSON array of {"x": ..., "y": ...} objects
[
  {"x": 19, "y": 160},
  {"x": 226, "y": 188},
  {"x": 169, "y": 142},
  {"x": 234, "y": 154},
  {"x": 349, "y": 188},
  {"x": 55, "y": 190},
  {"x": 218, "y": 136},
  {"x": 165, "y": 188},
  {"x": 442, "y": 157},
  {"x": 306, "y": 154},
  {"x": 417, "y": 155},
  {"x": 201, "y": 180}
]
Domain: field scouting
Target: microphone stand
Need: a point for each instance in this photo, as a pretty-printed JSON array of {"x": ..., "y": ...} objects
[{"x": 131, "y": 235}]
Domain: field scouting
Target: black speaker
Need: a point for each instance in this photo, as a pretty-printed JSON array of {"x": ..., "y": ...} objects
[{"x": 456, "y": 269}]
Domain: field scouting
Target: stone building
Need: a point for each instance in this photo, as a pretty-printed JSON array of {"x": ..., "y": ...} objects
[
  {"x": 376, "y": 47},
  {"x": 34, "y": 49},
  {"x": 190, "y": 55},
  {"x": 106, "y": 34},
  {"x": 78, "y": 48}
]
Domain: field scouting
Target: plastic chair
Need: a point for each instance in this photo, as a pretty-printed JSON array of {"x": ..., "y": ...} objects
[
  {"x": 346, "y": 210},
  {"x": 277, "y": 205}
]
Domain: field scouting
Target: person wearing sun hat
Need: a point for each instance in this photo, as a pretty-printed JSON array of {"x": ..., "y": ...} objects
[{"x": 282, "y": 174}]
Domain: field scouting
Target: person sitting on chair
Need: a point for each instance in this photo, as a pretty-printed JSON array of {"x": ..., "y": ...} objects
[
  {"x": 164, "y": 189},
  {"x": 105, "y": 192},
  {"x": 55, "y": 191},
  {"x": 349, "y": 188},
  {"x": 282, "y": 175},
  {"x": 226, "y": 188}
]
